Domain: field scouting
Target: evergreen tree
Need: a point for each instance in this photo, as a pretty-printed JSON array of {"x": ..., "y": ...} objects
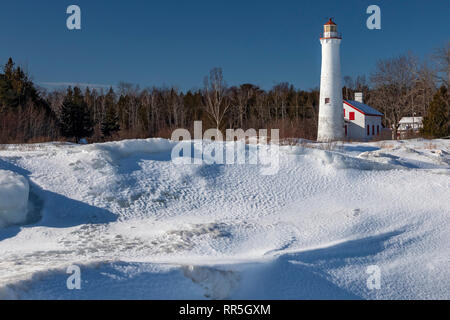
[
  {"x": 110, "y": 123},
  {"x": 75, "y": 117},
  {"x": 24, "y": 114},
  {"x": 436, "y": 122},
  {"x": 8, "y": 96},
  {"x": 16, "y": 89},
  {"x": 124, "y": 115}
]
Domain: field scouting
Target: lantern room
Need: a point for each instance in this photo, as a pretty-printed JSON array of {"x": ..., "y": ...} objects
[{"x": 330, "y": 30}]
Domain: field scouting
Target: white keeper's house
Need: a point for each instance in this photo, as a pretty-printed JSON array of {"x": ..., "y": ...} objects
[{"x": 361, "y": 122}]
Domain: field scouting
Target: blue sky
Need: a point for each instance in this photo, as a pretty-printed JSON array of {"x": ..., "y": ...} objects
[{"x": 173, "y": 42}]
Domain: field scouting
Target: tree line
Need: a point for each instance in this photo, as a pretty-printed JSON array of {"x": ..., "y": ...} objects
[
  {"x": 25, "y": 114},
  {"x": 128, "y": 112},
  {"x": 398, "y": 87}
]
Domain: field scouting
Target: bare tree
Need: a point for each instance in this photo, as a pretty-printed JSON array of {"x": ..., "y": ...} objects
[
  {"x": 281, "y": 92},
  {"x": 424, "y": 89},
  {"x": 394, "y": 81},
  {"x": 241, "y": 97},
  {"x": 348, "y": 87},
  {"x": 261, "y": 107},
  {"x": 442, "y": 58},
  {"x": 171, "y": 99},
  {"x": 55, "y": 100},
  {"x": 216, "y": 101}
]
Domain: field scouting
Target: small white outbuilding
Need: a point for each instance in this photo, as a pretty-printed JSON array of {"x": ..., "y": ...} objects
[
  {"x": 361, "y": 122},
  {"x": 408, "y": 125}
]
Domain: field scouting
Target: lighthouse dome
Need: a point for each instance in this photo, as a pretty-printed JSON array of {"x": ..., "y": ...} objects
[{"x": 330, "y": 30}]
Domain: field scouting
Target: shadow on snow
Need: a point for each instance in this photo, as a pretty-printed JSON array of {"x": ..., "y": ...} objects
[{"x": 53, "y": 210}]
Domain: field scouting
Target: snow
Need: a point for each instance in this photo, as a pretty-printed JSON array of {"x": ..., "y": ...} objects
[
  {"x": 143, "y": 227},
  {"x": 14, "y": 191}
]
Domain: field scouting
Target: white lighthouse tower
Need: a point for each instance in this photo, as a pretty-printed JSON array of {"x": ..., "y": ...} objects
[{"x": 331, "y": 118}]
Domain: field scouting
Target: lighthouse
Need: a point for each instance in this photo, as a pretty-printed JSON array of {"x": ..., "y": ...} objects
[{"x": 331, "y": 117}]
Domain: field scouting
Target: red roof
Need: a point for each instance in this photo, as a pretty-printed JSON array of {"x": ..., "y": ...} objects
[{"x": 330, "y": 22}]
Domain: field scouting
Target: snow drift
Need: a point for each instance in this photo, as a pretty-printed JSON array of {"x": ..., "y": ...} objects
[
  {"x": 14, "y": 190},
  {"x": 123, "y": 212},
  {"x": 125, "y": 148}
]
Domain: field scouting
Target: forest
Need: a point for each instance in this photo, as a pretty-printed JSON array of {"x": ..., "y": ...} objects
[{"x": 399, "y": 86}]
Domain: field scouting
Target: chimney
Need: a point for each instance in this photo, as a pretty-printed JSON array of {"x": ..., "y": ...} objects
[{"x": 359, "y": 97}]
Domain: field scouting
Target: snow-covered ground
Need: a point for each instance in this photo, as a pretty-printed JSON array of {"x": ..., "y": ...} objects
[{"x": 141, "y": 227}]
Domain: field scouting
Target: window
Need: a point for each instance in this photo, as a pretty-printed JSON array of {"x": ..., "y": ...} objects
[
  {"x": 373, "y": 130},
  {"x": 330, "y": 28},
  {"x": 327, "y": 100},
  {"x": 378, "y": 129},
  {"x": 352, "y": 116},
  {"x": 345, "y": 130},
  {"x": 368, "y": 130}
]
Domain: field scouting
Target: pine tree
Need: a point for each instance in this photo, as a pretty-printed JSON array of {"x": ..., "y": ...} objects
[
  {"x": 124, "y": 114},
  {"x": 75, "y": 117},
  {"x": 110, "y": 124},
  {"x": 8, "y": 96},
  {"x": 15, "y": 87},
  {"x": 436, "y": 122}
]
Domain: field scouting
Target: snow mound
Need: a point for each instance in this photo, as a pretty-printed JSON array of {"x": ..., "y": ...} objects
[
  {"x": 14, "y": 190},
  {"x": 125, "y": 148},
  {"x": 337, "y": 160},
  {"x": 7, "y": 293},
  {"x": 218, "y": 284}
]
